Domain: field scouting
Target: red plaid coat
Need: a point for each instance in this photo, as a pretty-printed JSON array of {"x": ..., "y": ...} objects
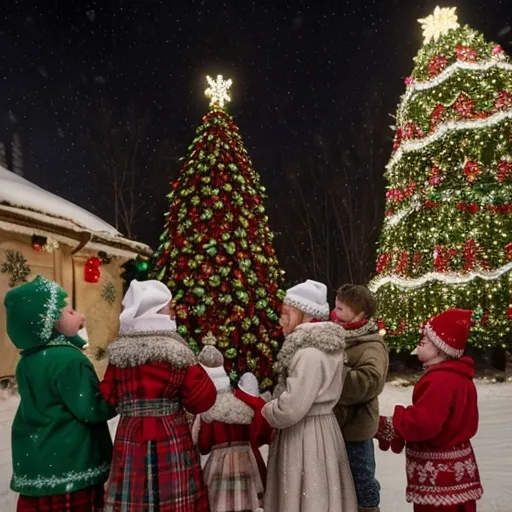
[{"x": 152, "y": 379}]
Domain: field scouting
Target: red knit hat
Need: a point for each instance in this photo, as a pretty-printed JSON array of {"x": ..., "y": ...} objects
[{"x": 449, "y": 331}]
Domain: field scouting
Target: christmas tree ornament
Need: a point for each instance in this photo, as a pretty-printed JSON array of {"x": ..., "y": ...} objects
[{"x": 92, "y": 272}]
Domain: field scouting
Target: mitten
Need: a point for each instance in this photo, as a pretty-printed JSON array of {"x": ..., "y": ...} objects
[{"x": 387, "y": 437}]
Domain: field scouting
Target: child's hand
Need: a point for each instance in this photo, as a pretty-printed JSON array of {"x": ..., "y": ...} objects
[{"x": 387, "y": 436}]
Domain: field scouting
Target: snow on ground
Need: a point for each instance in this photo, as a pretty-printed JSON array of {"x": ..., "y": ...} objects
[{"x": 493, "y": 447}]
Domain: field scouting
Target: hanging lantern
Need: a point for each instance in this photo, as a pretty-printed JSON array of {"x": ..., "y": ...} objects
[
  {"x": 92, "y": 271},
  {"x": 38, "y": 242}
]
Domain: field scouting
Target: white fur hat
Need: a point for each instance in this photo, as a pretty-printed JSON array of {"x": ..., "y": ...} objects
[
  {"x": 248, "y": 383},
  {"x": 142, "y": 302},
  {"x": 218, "y": 376},
  {"x": 309, "y": 297}
]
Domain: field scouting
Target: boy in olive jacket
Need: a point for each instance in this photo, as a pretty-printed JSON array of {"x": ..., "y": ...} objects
[
  {"x": 61, "y": 446},
  {"x": 358, "y": 409}
]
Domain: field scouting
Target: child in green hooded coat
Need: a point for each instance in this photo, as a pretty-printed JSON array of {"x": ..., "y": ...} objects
[{"x": 61, "y": 446}]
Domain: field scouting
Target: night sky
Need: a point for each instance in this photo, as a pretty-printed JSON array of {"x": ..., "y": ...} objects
[{"x": 301, "y": 70}]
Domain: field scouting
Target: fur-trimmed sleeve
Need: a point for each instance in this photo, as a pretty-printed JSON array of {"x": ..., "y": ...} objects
[
  {"x": 305, "y": 376},
  {"x": 198, "y": 390}
]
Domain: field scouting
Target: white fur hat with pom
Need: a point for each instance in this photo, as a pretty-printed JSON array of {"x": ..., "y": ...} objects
[{"x": 310, "y": 297}]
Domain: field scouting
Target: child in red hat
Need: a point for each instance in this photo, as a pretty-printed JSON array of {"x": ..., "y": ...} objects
[{"x": 442, "y": 472}]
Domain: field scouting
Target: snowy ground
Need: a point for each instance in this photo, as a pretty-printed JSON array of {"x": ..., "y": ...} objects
[{"x": 493, "y": 446}]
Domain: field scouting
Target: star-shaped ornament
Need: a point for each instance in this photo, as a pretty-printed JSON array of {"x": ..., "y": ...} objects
[
  {"x": 439, "y": 24},
  {"x": 218, "y": 91}
]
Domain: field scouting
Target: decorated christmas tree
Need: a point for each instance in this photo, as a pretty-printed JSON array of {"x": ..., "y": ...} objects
[
  {"x": 447, "y": 234},
  {"x": 216, "y": 253}
]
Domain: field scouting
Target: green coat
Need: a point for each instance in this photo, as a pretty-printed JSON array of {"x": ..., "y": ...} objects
[
  {"x": 60, "y": 438},
  {"x": 368, "y": 360}
]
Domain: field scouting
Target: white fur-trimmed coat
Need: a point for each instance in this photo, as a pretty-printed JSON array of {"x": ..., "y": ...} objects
[{"x": 308, "y": 453}]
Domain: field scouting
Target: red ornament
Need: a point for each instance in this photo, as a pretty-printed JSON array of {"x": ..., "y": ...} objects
[
  {"x": 409, "y": 80},
  {"x": 440, "y": 259},
  {"x": 471, "y": 171},
  {"x": 435, "y": 176},
  {"x": 92, "y": 271},
  {"x": 509, "y": 312},
  {"x": 411, "y": 131},
  {"x": 464, "y": 105},
  {"x": 435, "y": 115},
  {"x": 403, "y": 259},
  {"x": 504, "y": 170},
  {"x": 497, "y": 50},
  {"x": 508, "y": 250},
  {"x": 430, "y": 204},
  {"x": 470, "y": 250},
  {"x": 436, "y": 65},
  {"x": 383, "y": 261},
  {"x": 465, "y": 53},
  {"x": 398, "y": 139},
  {"x": 504, "y": 101}
]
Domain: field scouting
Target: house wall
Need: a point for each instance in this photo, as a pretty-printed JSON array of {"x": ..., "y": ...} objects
[{"x": 100, "y": 302}]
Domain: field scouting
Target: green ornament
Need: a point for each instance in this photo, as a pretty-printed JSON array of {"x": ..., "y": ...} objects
[
  {"x": 207, "y": 214},
  {"x": 261, "y": 292},
  {"x": 230, "y": 353},
  {"x": 192, "y": 264},
  {"x": 237, "y": 283},
  {"x": 211, "y": 251},
  {"x": 224, "y": 271},
  {"x": 243, "y": 296},
  {"x": 199, "y": 310},
  {"x": 225, "y": 236},
  {"x": 262, "y": 304},
  {"x": 208, "y": 301},
  {"x": 245, "y": 264},
  {"x": 198, "y": 291},
  {"x": 230, "y": 248},
  {"x": 195, "y": 200},
  {"x": 246, "y": 324},
  {"x": 182, "y": 330},
  {"x": 214, "y": 280},
  {"x": 271, "y": 315},
  {"x": 249, "y": 338},
  {"x": 188, "y": 282}
]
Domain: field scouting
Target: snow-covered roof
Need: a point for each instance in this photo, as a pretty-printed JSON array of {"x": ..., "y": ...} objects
[{"x": 20, "y": 196}]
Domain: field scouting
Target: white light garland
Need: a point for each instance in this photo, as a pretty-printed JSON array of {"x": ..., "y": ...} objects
[
  {"x": 447, "y": 73},
  {"x": 474, "y": 124},
  {"x": 442, "y": 277},
  {"x": 394, "y": 219}
]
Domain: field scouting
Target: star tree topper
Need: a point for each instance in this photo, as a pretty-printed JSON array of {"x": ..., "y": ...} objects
[
  {"x": 218, "y": 91},
  {"x": 439, "y": 24}
]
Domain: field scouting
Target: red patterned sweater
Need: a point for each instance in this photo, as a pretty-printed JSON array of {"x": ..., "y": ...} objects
[{"x": 437, "y": 428}]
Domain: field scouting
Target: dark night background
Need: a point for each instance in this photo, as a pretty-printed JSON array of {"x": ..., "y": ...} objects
[{"x": 312, "y": 80}]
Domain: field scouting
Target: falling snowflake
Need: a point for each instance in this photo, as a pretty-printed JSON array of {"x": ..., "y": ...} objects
[
  {"x": 108, "y": 293},
  {"x": 16, "y": 266}
]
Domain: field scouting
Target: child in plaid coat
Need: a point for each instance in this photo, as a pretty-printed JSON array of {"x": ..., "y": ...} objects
[
  {"x": 152, "y": 377},
  {"x": 232, "y": 472}
]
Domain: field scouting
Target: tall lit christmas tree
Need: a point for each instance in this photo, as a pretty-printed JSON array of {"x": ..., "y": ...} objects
[
  {"x": 216, "y": 252},
  {"x": 447, "y": 235}
]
